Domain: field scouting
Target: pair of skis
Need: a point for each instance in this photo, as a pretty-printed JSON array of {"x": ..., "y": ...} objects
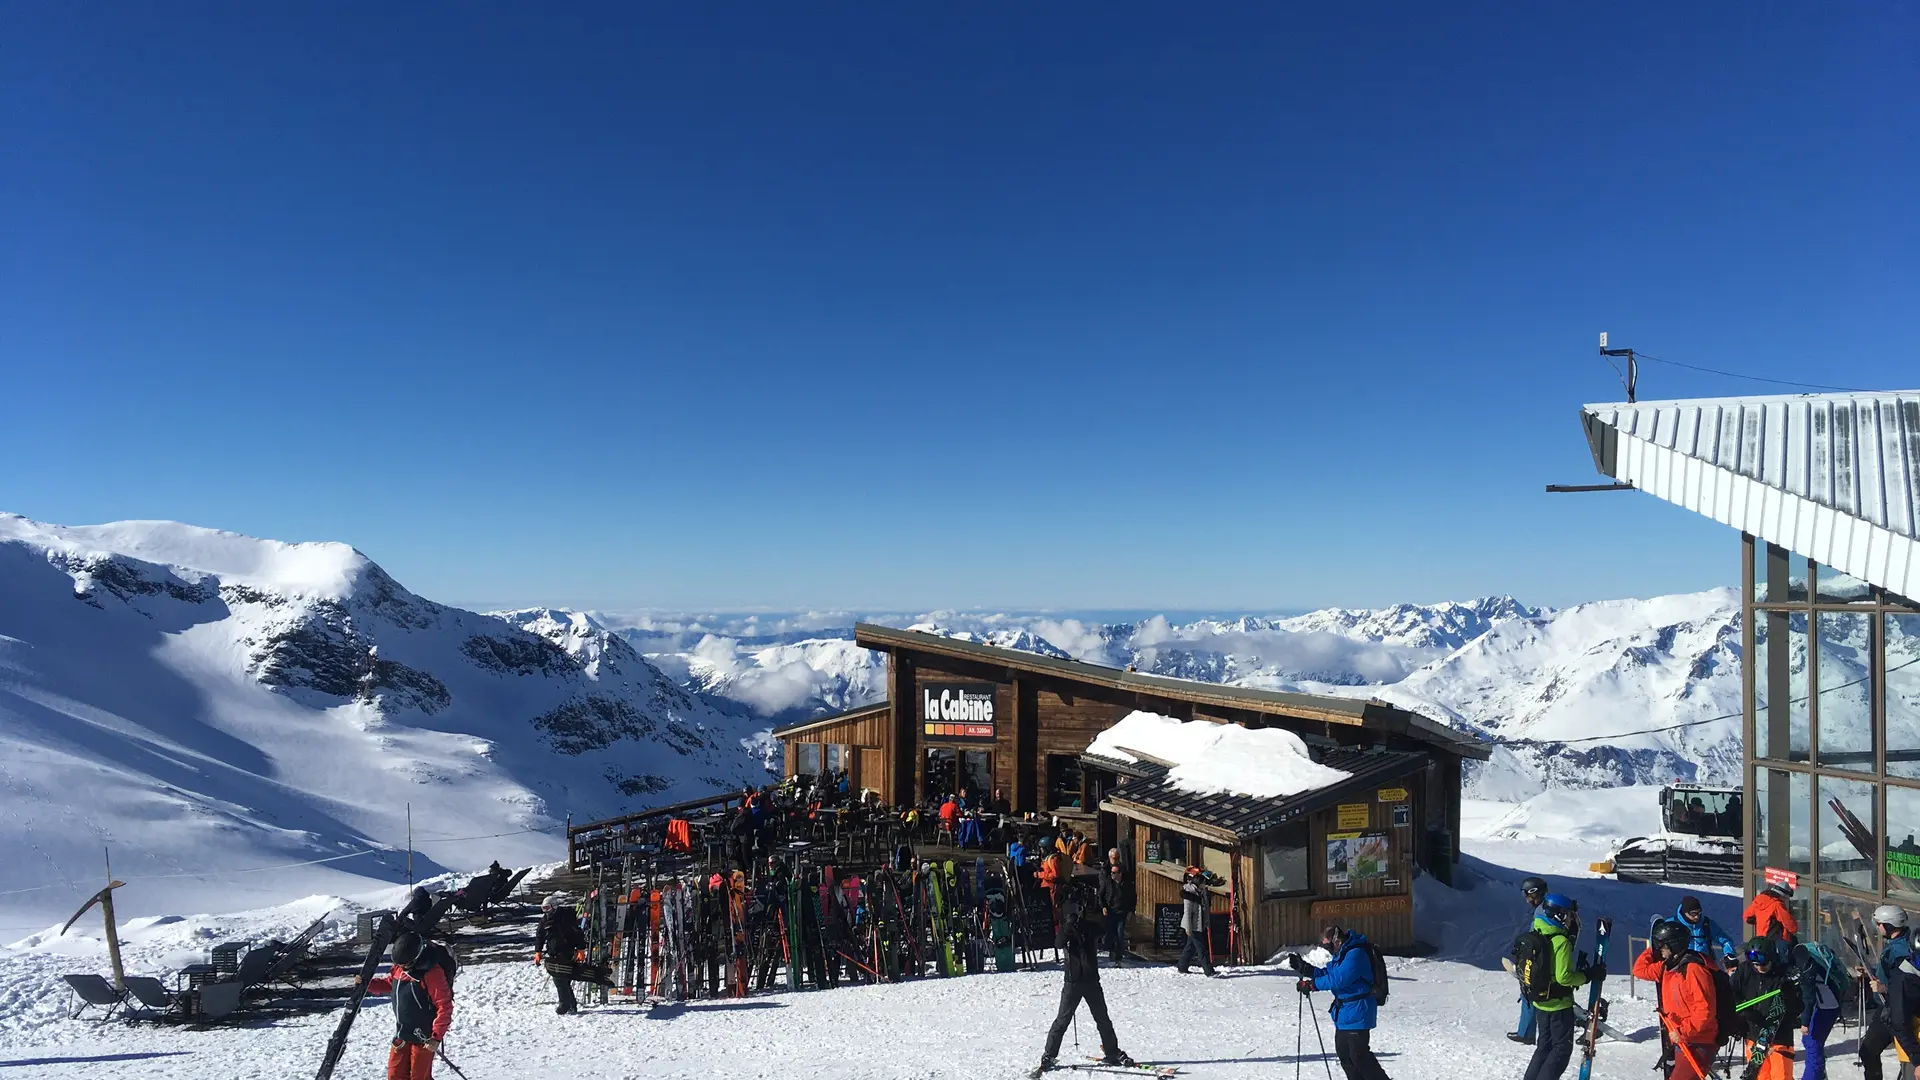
[
  {"x": 1096, "y": 1065},
  {"x": 1596, "y": 1005}
]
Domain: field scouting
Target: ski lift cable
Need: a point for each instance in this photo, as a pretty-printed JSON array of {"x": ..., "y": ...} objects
[
  {"x": 1687, "y": 723},
  {"x": 1753, "y": 378}
]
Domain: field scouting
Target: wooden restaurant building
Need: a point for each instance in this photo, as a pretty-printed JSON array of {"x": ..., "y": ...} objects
[{"x": 963, "y": 716}]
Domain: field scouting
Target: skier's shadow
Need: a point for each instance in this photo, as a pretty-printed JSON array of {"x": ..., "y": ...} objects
[
  {"x": 1277, "y": 1059},
  {"x": 670, "y": 1009}
]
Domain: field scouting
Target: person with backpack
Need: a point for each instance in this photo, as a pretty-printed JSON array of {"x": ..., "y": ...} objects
[
  {"x": 556, "y": 942},
  {"x": 1550, "y": 974},
  {"x": 421, "y": 983},
  {"x": 1357, "y": 977},
  {"x": 1533, "y": 890},
  {"x": 1769, "y": 915},
  {"x": 1768, "y": 1004},
  {"x": 1081, "y": 929},
  {"x": 1824, "y": 984},
  {"x": 1195, "y": 902},
  {"x": 1708, "y": 940},
  {"x": 1687, "y": 996},
  {"x": 1899, "y": 994}
]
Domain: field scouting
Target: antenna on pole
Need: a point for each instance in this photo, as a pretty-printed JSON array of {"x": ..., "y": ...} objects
[{"x": 1630, "y": 378}]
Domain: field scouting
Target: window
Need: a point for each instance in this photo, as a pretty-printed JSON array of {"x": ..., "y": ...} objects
[
  {"x": 1849, "y": 833},
  {"x": 1285, "y": 868},
  {"x": 1846, "y": 691},
  {"x": 1783, "y": 823},
  {"x": 942, "y": 770},
  {"x": 836, "y": 757},
  {"x": 1170, "y": 847},
  {"x": 976, "y": 771},
  {"x": 1903, "y": 697},
  {"x": 1063, "y": 781},
  {"x": 1780, "y": 685},
  {"x": 1903, "y": 851},
  {"x": 806, "y": 759},
  {"x": 1839, "y": 587}
]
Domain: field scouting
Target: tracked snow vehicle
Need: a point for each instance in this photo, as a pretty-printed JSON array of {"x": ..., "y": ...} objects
[{"x": 1699, "y": 843}]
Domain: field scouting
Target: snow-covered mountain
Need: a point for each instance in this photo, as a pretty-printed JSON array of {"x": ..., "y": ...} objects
[{"x": 198, "y": 700}]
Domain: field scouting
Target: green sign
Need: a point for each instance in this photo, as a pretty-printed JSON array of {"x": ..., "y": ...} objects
[{"x": 1903, "y": 864}]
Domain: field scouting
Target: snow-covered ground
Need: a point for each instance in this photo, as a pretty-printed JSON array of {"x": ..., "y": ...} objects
[{"x": 1446, "y": 1019}]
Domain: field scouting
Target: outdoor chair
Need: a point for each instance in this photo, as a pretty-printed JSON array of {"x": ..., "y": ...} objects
[
  {"x": 93, "y": 992},
  {"x": 158, "y": 1001},
  {"x": 293, "y": 952},
  {"x": 213, "y": 1001},
  {"x": 254, "y": 966}
]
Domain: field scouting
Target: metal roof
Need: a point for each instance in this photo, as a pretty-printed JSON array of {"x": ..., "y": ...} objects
[
  {"x": 850, "y": 714},
  {"x": 1834, "y": 477},
  {"x": 1372, "y": 714},
  {"x": 1247, "y": 817}
]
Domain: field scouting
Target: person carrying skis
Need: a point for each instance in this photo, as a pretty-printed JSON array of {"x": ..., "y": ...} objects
[
  {"x": 1558, "y": 927},
  {"x": 422, "y": 1004},
  {"x": 1533, "y": 890},
  {"x": 1079, "y": 942},
  {"x": 1688, "y": 1004},
  {"x": 1355, "y": 1010},
  {"x": 417, "y": 916},
  {"x": 1195, "y": 902},
  {"x": 556, "y": 942},
  {"x": 1769, "y": 915},
  {"x": 1708, "y": 941},
  {"x": 1768, "y": 1003},
  {"x": 1895, "y": 980}
]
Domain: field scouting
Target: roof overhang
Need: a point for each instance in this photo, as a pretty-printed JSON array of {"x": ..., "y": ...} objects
[
  {"x": 1833, "y": 477},
  {"x": 804, "y": 726},
  {"x": 1371, "y": 714}
]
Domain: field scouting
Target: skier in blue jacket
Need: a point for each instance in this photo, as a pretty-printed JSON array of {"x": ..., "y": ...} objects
[
  {"x": 1349, "y": 977},
  {"x": 1708, "y": 939}
]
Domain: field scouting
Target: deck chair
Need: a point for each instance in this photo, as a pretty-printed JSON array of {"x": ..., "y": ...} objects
[
  {"x": 254, "y": 966},
  {"x": 158, "y": 1002},
  {"x": 213, "y": 1001},
  {"x": 294, "y": 951},
  {"x": 93, "y": 992}
]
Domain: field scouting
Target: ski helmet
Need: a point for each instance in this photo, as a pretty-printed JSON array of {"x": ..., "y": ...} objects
[
  {"x": 1561, "y": 909},
  {"x": 1760, "y": 950},
  {"x": 1669, "y": 934},
  {"x": 1533, "y": 886},
  {"x": 1781, "y": 889},
  {"x": 1890, "y": 915},
  {"x": 406, "y": 949}
]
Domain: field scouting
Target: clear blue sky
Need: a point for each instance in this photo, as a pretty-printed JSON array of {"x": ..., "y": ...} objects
[{"x": 909, "y": 305}]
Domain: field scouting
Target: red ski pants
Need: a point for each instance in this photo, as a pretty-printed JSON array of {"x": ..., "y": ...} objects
[{"x": 409, "y": 1061}]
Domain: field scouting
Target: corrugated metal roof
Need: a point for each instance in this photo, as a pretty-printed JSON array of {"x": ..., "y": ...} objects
[
  {"x": 1834, "y": 477},
  {"x": 1372, "y": 714},
  {"x": 1247, "y": 817}
]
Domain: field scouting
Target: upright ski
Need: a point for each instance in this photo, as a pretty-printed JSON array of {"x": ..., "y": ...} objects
[
  {"x": 1596, "y": 1005},
  {"x": 382, "y": 935}
]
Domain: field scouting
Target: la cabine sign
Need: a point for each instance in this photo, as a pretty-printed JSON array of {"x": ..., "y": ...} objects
[{"x": 960, "y": 712}]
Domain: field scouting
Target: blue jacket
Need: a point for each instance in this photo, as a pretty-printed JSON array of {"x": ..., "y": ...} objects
[
  {"x": 1349, "y": 976},
  {"x": 1706, "y": 935}
]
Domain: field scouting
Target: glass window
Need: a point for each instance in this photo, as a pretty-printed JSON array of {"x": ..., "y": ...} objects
[
  {"x": 1063, "y": 781},
  {"x": 977, "y": 772},
  {"x": 1703, "y": 813},
  {"x": 1782, "y": 820},
  {"x": 1839, "y": 587},
  {"x": 836, "y": 757},
  {"x": 806, "y": 759},
  {"x": 1849, "y": 833},
  {"x": 1171, "y": 847},
  {"x": 1799, "y": 576},
  {"x": 1841, "y": 919},
  {"x": 1903, "y": 851},
  {"x": 1780, "y": 685},
  {"x": 1903, "y": 696},
  {"x": 1846, "y": 690},
  {"x": 941, "y": 771},
  {"x": 1285, "y": 868}
]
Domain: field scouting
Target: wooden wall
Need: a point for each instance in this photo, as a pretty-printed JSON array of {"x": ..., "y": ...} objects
[
  {"x": 869, "y": 734},
  {"x": 1387, "y": 919}
]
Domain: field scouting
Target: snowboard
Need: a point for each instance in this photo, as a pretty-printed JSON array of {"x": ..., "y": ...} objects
[
  {"x": 337, "y": 1045},
  {"x": 999, "y": 927}
]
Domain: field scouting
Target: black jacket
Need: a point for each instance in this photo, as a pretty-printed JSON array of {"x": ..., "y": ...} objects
[
  {"x": 1773, "y": 1020},
  {"x": 1116, "y": 893},
  {"x": 559, "y": 934},
  {"x": 1079, "y": 942}
]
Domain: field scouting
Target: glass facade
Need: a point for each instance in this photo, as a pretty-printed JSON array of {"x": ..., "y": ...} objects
[{"x": 1833, "y": 726}]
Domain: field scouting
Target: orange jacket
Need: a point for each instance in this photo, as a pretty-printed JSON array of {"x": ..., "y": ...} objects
[
  {"x": 1049, "y": 874},
  {"x": 948, "y": 811},
  {"x": 1768, "y": 909},
  {"x": 1686, "y": 996}
]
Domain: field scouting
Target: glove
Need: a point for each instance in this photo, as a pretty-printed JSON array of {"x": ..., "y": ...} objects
[
  {"x": 536, "y": 957},
  {"x": 1597, "y": 971},
  {"x": 1305, "y": 986},
  {"x": 433, "y": 1045},
  {"x": 1295, "y": 964}
]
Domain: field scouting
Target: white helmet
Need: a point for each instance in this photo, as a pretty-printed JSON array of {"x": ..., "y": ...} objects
[{"x": 1890, "y": 915}]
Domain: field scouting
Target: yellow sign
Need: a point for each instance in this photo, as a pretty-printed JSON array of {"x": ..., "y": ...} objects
[
  {"x": 1360, "y": 906},
  {"x": 1351, "y": 816},
  {"x": 1343, "y": 836},
  {"x": 1393, "y": 794}
]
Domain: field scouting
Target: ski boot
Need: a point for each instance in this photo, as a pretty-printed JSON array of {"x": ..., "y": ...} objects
[
  {"x": 1046, "y": 1063},
  {"x": 1117, "y": 1057}
]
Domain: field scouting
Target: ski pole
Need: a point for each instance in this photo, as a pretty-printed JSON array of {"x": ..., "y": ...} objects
[
  {"x": 1299, "y": 1032},
  {"x": 423, "y": 1037},
  {"x": 1321, "y": 1039}
]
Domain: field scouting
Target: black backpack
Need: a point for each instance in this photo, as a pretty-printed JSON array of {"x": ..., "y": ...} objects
[
  {"x": 1725, "y": 1017},
  {"x": 436, "y": 954},
  {"x": 1379, "y": 973},
  {"x": 1533, "y": 966}
]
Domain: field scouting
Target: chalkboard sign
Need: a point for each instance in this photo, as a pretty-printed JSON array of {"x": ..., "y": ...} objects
[
  {"x": 1153, "y": 851},
  {"x": 1166, "y": 926}
]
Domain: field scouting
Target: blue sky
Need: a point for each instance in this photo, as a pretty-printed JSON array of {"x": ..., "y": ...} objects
[{"x": 1107, "y": 306}]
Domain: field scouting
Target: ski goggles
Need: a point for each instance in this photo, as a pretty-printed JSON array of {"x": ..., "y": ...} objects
[{"x": 1755, "y": 956}]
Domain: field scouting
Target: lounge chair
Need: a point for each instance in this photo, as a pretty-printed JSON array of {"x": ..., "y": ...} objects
[
  {"x": 294, "y": 951},
  {"x": 93, "y": 992},
  {"x": 158, "y": 1002},
  {"x": 254, "y": 966}
]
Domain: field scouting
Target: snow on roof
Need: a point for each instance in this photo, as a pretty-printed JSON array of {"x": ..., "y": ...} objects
[{"x": 1210, "y": 758}]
